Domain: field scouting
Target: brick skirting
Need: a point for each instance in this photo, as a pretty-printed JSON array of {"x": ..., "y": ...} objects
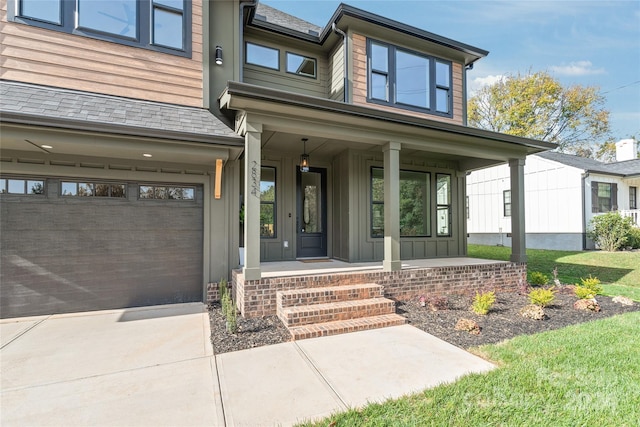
[{"x": 258, "y": 297}]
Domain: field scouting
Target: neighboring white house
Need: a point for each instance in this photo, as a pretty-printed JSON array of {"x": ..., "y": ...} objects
[{"x": 563, "y": 193}]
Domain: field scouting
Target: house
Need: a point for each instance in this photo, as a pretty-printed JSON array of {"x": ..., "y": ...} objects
[
  {"x": 563, "y": 193},
  {"x": 128, "y": 153}
]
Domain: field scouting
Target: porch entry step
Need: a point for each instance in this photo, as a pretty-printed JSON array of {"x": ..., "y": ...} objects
[
  {"x": 326, "y": 294},
  {"x": 342, "y": 310},
  {"x": 332, "y": 310},
  {"x": 345, "y": 326}
]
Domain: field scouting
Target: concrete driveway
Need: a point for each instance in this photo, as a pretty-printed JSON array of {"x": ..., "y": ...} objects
[{"x": 154, "y": 366}]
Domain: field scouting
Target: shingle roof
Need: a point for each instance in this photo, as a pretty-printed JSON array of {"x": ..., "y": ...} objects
[
  {"x": 41, "y": 102},
  {"x": 628, "y": 167},
  {"x": 277, "y": 17}
]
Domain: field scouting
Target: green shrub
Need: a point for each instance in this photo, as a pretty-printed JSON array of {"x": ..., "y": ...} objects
[
  {"x": 483, "y": 302},
  {"x": 542, "y": 297},
  {"x": 583, "y": 292},
  {"x": 593, "y": 284},
  {"x": 633, "y": 238},
  {"x": 537, "y": 278},
  {"x": 222, "y": 289},
  {"x": 610, "y": 231}
]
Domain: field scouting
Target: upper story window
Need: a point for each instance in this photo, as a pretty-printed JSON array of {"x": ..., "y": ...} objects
[
  {"x": 162, "y": 25},
  {"x": 301, "y": 65},
  {"x": 263, "y": 56},
  {"x": 408, "y": 79}
]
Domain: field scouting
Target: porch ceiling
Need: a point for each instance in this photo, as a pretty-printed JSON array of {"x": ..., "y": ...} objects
[{"x": 333, "y": 126}]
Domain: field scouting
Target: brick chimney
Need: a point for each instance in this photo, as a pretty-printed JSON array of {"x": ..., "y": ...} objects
[{"x": 626, "y": 149}]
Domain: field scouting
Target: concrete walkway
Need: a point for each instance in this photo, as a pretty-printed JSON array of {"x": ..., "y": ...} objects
[{"x": 154, "y": 366}]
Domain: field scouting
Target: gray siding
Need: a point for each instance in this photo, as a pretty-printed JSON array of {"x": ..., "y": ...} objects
[{"x": 76, "y": 254}]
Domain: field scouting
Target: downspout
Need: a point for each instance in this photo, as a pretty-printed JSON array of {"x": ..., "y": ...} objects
[
  {"x": 469, "y": 67},
  {"x": 243, "y": 5},
  {"x": 584, "y": 211},
  {"x": 346, "y": 60}
]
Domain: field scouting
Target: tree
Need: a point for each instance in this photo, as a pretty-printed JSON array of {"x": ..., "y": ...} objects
[{"x": 537, "y": 106}]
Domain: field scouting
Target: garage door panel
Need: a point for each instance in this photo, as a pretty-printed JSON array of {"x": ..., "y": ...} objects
[{"x": 64, "y": 255}]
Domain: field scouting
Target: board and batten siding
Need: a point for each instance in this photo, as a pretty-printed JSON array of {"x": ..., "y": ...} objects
[
  {"x": 359, "y": 43},
  {"x": 40, "y": 56}
]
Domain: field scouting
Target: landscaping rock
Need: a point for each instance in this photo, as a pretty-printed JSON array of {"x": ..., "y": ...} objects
[
  {"x": 587, "y": 304},
  {"x": 468, "y": 325},
  {"x": 532, "y": 311},
  {"x": 623, "y": 300}
]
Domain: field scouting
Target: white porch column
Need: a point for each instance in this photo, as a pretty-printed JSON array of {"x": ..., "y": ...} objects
[
  {"x": 252, "y": 160},
  {"x": 391, "y": 260},
  {"x": 518, "y": 231}
]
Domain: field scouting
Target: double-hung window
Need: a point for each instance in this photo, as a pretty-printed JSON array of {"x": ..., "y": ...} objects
[
  {"x": 604, "y": 197},
  {"x": 408, "y": 79},
  {"x": 162, "y": 25},
  {"x": 633, "y": 197},
  {"x": 506, "y": 202},
  {"x": 415, "y": 203}
]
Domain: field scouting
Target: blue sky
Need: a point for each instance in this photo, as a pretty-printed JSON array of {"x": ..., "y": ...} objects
[{"x": 589, "y": 43}]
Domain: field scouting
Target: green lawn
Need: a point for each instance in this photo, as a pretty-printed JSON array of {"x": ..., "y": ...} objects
[
  {"x": 619, "y": 271},
  {"x": 586, "y": 374}
]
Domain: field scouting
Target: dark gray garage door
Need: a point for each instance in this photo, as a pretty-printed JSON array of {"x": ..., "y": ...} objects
[{"x": 78, "y": 245}]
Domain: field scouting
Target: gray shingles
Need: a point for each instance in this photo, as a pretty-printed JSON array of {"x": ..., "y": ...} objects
[
  {"x": 629, "y": 167},
  {"x": 47, "y": 102},
  {"x": 277, "y": 17}
]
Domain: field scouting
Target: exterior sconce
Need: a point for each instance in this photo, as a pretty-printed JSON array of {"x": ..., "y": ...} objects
[
  {"x": 304, "y": 157},
  {"x": 218, "y": 55}
]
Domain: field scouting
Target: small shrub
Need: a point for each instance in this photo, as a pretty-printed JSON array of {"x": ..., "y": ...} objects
[
  {"x": 610, "y": 231},
  {"x": 532, "y": 311},
  {"x": 437, "y": 303},
  {"x": 587, "y": 304},
  {"x": 592, "y": 283},
  {"x": 583, "y": 292},
  {"x": 633, "y": 238},
  {"x": 223, "y": 289},
  {"x": 542, "y": 296},
  {"x": 537, "y": 278},
  {"x": 468, "y": 325},
  {"x": 483, "y": 302}
]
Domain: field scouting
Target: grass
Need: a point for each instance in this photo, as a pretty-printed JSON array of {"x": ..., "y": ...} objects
[
  {"x": 618, "y": 271},
  {"x": 586, "y": 374}
]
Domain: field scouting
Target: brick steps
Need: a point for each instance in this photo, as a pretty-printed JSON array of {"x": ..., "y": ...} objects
[
  {"x": 323, "y": 311},
  {"x": 345, "y": 326}
]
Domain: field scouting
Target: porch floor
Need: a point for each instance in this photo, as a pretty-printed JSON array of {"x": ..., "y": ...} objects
[{"x": 324, "y": 266}]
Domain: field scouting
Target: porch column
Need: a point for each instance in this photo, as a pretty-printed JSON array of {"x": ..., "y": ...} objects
[
  {"x": 518, "y": 232},
  {"x": 391, "y": 260},
  {"x": 252, "y": 146}
]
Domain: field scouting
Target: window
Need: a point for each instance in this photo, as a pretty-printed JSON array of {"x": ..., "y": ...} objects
[
  {"x": 443, "y": 198},
  {"x": 163, "y": 25},
  {"x": 604, "y": 197},
  {"x": 301, "y": 65},
  {"x": 263, "y": 56},
  {"x": 166, "y": 192},
  {"x": 21, "y": 186},
  {"x": 633, "y": 198},
  {"x": 415, "y": 191},
  {"x": 466, "y": 206},
  {"x": 408, "y": 79},
  {"x": 268, "y": 202},
  {"x": 506, "y": 202},
  {"x": 92, "y": 189}
]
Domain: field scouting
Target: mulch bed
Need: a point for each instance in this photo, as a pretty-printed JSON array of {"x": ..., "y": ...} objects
[{"x": 501, "y": 323}]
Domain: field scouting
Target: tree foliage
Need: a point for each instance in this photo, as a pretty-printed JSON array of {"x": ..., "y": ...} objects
[{"x": 537, "y": 106}]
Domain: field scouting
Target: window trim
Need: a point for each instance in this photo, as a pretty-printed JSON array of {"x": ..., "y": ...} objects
[
  {"x": 505, "y": 204},
  {"x": 144, "y": 25},
  {"x": 246, "y": 55},
  {"x": 391, "y": 80},
  {"x": 633, "y": 201}
]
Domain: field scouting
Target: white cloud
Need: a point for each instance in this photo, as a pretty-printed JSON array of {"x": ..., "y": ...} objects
[
  {"x": 479, "y": 82},
  {"x": 578, "y": 68}
]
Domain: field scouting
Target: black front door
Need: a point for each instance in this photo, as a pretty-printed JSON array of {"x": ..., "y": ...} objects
[{"x": 312, "y": 213}]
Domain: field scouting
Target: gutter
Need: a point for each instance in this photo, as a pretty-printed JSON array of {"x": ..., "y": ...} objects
[
  {"x": 346, "y": 60},
  {"x": 243, "y": 6}
]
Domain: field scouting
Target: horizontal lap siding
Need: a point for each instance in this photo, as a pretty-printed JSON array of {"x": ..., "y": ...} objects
[
  {"x": 360, "y": 86},
  {"x": 40, "y": 56}
]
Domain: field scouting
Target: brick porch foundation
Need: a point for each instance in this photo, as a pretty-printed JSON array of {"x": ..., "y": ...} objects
[{"x": 258, "y": 297}]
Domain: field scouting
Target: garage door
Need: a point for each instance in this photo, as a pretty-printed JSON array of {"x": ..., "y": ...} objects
[{"x": 78, "y": 245}]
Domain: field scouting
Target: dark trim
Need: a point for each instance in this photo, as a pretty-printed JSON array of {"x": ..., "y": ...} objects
[
  {"x": 305, "y": 101},
  {"x": 246, "y": 55},
  {"x": 308, "y": 76},
  {"x": 144, "y": 26}
]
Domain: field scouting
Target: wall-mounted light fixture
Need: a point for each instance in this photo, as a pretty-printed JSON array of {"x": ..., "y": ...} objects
[
  {"x": 304, "y": 157},
  {"x": 218, "y": 55}
]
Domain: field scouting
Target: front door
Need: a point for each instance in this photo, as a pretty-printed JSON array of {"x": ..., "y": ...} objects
[{"x": 312, "y": 213}]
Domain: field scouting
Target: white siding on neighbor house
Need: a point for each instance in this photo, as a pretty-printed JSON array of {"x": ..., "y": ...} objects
[
  {"x": 552, "y": 198},
  {"x": 623, "y": 191}
]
